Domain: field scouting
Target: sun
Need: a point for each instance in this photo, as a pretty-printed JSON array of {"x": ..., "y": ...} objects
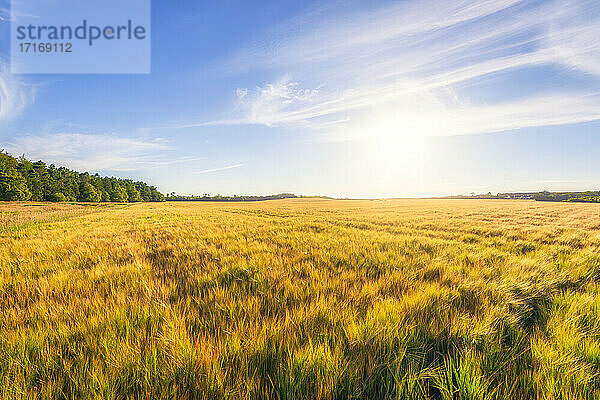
[{"x": 393, "y": 142}]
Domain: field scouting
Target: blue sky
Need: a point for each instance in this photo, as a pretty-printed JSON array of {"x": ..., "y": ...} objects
[{"x": 341, "y": 98}]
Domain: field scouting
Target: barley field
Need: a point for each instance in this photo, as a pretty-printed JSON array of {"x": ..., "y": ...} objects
[{"x": 300, "y": 299}]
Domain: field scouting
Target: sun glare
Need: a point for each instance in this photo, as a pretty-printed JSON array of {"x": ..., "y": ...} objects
[{"x": 392, "y": 142}]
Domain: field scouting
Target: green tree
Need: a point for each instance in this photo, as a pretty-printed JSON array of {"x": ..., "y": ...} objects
[
  {"x": 132, "y": 194},
  {"x": 88, "y": 193},
  {"x": 21, "y": 179},
  {"x": 13, "y": 188},
  {"x": 104, "y": 196},
  {"x": 156, "y": 195},
  {"x": 118, "y": 194},
  {"x": 57, "y": 197}
]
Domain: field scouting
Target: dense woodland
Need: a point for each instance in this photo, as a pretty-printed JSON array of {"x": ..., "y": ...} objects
[{"x": 21, "y": 179}]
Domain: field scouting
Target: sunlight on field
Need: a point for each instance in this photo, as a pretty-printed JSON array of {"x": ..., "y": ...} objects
[{"x": 292, "y": 299}]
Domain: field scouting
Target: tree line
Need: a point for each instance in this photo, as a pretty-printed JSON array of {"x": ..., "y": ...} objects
[
  {"x": 21, "y": 179},
  {"x": 579, "y": 197},
  {"x": 206, "y": 197}
]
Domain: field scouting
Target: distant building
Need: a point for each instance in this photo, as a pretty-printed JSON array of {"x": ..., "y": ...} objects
[{"x": 516, "y": 196}]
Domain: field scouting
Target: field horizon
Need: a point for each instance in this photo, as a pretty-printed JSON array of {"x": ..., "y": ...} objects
[{"x": 300, "y": 298}]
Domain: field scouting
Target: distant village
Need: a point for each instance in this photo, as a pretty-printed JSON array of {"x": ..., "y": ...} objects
[
  {"x": 517, "y": 196},
  {"x": 579, "y": 197}
]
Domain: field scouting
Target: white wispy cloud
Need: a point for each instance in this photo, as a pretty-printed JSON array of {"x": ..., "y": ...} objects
[
  {"x": 207, "y": 171},
  {"x": 86, "y": 152},
  {"x": 15, "y": 94},
  {"x": 157, "y": 163},
  {"x": 269, "y": 105},
  {"x": 411, "y": 58},
  {"x": 9, "y": 15}
]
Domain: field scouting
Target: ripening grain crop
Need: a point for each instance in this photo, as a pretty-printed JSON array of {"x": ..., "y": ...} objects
[{"x": 301, "y": 299}]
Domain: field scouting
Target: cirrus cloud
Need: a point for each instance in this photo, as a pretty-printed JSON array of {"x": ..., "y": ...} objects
[
  {"x": 91, "y": 151},
  {"x": 15, "y": 94},
  {"x": 413, "y": 58}
]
